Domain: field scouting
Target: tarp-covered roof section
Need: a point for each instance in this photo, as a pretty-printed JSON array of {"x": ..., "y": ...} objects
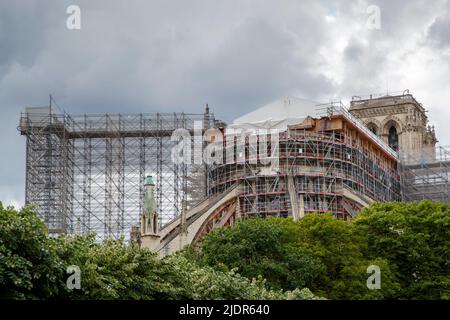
[{"x": 277, "y": 115}]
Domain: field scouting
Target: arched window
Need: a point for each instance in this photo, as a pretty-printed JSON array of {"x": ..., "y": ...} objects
[
  {"x": 372, "y": 127},
  {"x": 393, "y": 138}
]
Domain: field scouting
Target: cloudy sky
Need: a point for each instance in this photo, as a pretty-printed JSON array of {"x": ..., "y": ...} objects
[{"x": 144, "y": 56}]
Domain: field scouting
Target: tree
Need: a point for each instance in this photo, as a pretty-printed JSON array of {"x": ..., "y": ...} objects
[
  {"x": 414, "y": 238},
  {"x": 29, "y": 269},
  {"x": 113, "y": 270},
  {"x": 320, "y": 252},
  {"x": 33, "y": 266},
  {"x": 341, "y": 249},
  {"x": 203, "y": 282},
  {"x": 262, "y": 247}
]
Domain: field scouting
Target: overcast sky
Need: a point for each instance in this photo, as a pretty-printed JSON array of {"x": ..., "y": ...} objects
[{"x": 144, "y": 56}]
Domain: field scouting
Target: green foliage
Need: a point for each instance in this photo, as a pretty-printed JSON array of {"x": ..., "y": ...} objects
[
  {"x": 29, "y": 268},
  {"x": 209, "y": 283},
  {"x": 112, "y": 270},
  {"x": 340, "y": 248},
  {"x": 415, "y": 239},
  {"x": 33, "y": 266},
  {"x": 271, "y": 258},
  {"x": 409, "y": 242},
  {"x": 318, "y": 252},
  {"x": 262, "y": 247}
]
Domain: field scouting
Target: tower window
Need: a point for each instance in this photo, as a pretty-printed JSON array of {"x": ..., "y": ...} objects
[
  {"x": 372, "y": 127},
  {"x": 393, "y": 138}
]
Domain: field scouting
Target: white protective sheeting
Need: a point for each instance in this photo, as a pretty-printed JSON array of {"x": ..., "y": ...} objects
[{"x": 276, "y": 115}]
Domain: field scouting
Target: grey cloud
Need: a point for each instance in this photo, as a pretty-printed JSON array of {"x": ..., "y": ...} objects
[
  {"x": 368, "y": 56},
  {"x": 439, "y": 31},
  {"x": 354, "y": 51},
  {"x": 258, "y": 60}
]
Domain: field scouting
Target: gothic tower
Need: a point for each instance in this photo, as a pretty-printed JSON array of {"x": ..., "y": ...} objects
[
  {"x": 148, "y": 233},
  {"x": 401, "y": 122}
]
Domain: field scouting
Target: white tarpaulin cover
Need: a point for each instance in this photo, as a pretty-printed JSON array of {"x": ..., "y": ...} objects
[{"x": 276, "y": 115}]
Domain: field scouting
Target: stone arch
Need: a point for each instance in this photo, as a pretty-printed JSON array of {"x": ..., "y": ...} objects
[
  {"x": 373, "y": 125},
  {"x": 390, "y": 121},
  {"x": 391, "y": 132},
  {"x": 393, "y": 139}
]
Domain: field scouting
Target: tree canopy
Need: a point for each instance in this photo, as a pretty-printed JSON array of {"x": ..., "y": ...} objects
[
  {"x": 272, "y": 258},
  {"x": 34, "y": 266},
  {"x": 409, "y": 242},
  {"x": 415, "y": 239}
]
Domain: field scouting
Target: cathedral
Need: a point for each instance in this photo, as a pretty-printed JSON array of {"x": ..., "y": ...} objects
[{"x": 337, "y": 163}]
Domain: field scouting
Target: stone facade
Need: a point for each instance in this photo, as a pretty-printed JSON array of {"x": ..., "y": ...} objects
[{"x": 401, "y": 122}]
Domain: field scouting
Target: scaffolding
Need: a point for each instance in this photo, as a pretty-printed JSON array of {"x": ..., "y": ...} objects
[
  {"x": 86, "y": 173},
  {"x": 320, "y": 170},
  {"x": 426, "y": 176}
]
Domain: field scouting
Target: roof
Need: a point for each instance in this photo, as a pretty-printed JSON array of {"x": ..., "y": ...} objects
[
  {"x": 276, "y": 115},
  {"x": 290, "y": 111}
]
